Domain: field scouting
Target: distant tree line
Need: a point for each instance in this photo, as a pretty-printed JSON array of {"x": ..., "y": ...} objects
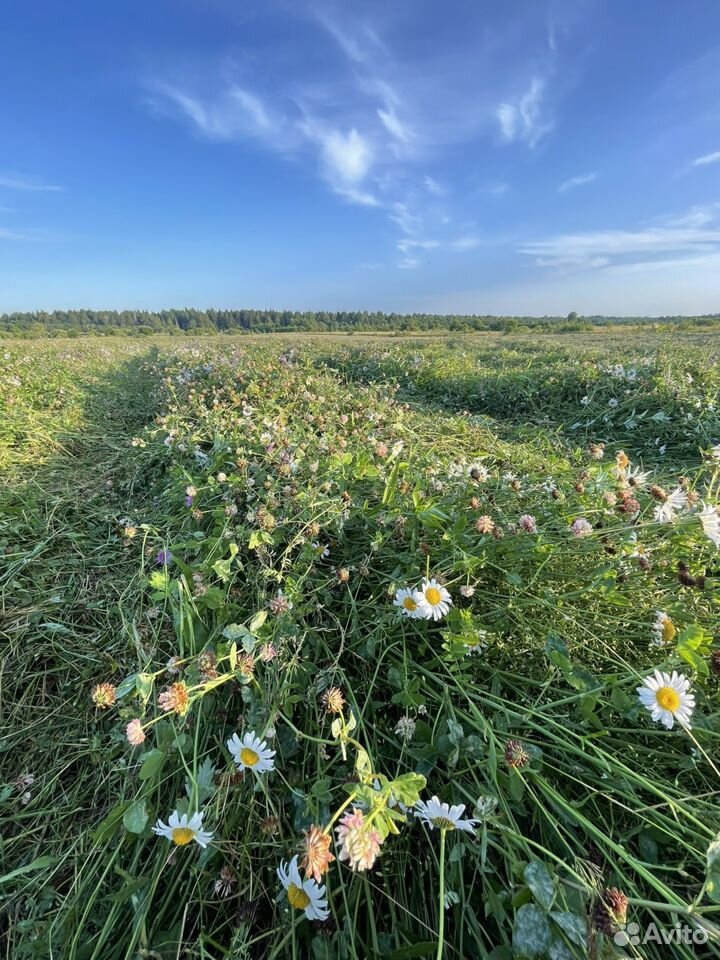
[{"x": 181, "y": 322}]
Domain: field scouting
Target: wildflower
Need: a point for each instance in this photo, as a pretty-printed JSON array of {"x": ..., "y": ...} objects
[
  {"x": 667, "y": 698},
  {"x": 280, "y": 604},
  {"x": 251, "y": 753},
  {"x": 610, "y": 911},
  {"x": 585, "y": 400},
  {"x": 317, "y": 857},
  {"x": 436, "y": 601},
  {"x": 246, "y": 665},
  {"x": 516, "y": 756},
  {"x": 637, "y": 478},
  {"x": 175, "y": 699},
  {"x": 135, "y": 733},
  {"x": 303, "y": 894},
  {"x": 664, "y": 630},
  {"x": 478, "y": 472},
  {"x": 467, "y": 590},
  {"x": 710, "y": 520},
  {"x": 207, "y": 665},
  {"x": 612, "y": 402},
  {"x": 343, "y": 575},
  {"x": 190, "y": 491},
  {"x": 267, "y": 652},
  {"x": 409, "y": 601},
  {"x": 484, "y": 524},
  {"x": 181, "y": 829},
  {"x": 622, "y": 461},
  {"x": 596, "y": 450},
  {"x": 480, "y": 644},
  {"x": 666, "y": 511},
  {"x": 270, "y": 826},
  {"x": 444, "y": 817},
  {"x": 104, "y": 695},
  {"x": 333, "y": 700},
  {"x": 527, "y": 523},
  {"x": 580, "y": 527},
  {"x": 322, "y": 550},
  {"x": 163, "y": 558},
  {"x": 405, "y": 728},
  {"x": 225, "y": 882},
  {"x": 359, "y": 843}
]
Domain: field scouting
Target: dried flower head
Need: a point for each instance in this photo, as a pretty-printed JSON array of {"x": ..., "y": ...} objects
[
  {"x": 333, "y": 700},
  {"x": 484, "y": 524},
  {"x": 135, "y": 733},
  {"x": 359, "y": 842},
  {"x": 516, "y": 756},
  {"x": 104, "y": 695},
  {"x": 175, "y": 699},
  {"x": 610, "y": 911},
  {"x": 316, "y": 858}
]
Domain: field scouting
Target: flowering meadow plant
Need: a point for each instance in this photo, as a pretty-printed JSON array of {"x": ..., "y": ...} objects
[{"x": 389, "y": 650}]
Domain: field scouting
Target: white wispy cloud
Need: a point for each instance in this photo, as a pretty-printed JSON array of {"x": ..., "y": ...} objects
[
  {"x": 434, "y": 187},
  {"x": 465, "y": 243},
  {"x": 13, "y": 181},
  {"x": 707, "y": 159},
  {"x": 578, "y": 181},
  {"x": 525, "y": 118},
  {"x": 409, "y": 263},
  {"x": 671, "y": 239}
]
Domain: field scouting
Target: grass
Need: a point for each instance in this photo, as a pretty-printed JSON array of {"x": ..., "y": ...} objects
[{"x": 110, "y": 575}]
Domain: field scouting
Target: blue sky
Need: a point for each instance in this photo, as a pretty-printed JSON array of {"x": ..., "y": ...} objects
[{"x": 533, "y": 157}]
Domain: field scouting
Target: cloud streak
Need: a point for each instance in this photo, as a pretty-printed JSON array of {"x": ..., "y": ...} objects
[
  {"x": 707, "y": 159},
  {"x": 578, "y": 181},
  {"x": 12, "y": 181}
]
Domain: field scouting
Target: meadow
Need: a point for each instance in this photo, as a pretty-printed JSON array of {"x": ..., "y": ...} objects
[{"x": 360, "y": 647}]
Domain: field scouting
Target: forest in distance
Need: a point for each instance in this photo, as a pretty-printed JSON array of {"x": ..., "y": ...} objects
[{"x": 75, "y": 323}]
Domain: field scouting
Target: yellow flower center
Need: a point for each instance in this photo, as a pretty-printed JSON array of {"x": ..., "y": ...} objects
[
  {"x": 668, "y": 631},
  {"x": 668, "y": 698},
  {"x": 409, "y": 604},
  {"x": 182, "y": 835},
  {"x": 249, "y": 757},
  {"x": 433, "y": 596},
  {"x": 442, "y": 823},
  {"x": 297, "y": 897}
]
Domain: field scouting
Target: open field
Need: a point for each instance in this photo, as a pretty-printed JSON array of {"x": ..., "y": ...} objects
[{"x": 207, "y": 538}]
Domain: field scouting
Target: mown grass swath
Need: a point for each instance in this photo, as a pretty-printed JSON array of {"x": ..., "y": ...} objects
[{"x": 202, "y": 549}]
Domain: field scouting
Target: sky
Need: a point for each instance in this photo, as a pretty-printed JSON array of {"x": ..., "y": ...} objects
[{"x": 464, "y": 156}]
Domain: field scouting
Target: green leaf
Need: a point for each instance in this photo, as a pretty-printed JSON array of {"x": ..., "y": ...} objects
[
  {"x": 257, "y": 621},
  {"x": 531, "y": 931},
  {"x": 110, "y": 824},
  {"x": 693, "y": 645},
  {"x": 126, "y": 686},
  {"x": 40, "y": 863},
  {"x": 408, "y": 787},
  {"x": 144, "y": 685},
  {"x": 135, "y": 817},
  {"x": 573, "y": 926},
  {"x": 538, "y": 878},
  {"x": 713, "y": 870},
  {"x": 223, "y": 567},
  {"x": 152, "y": 761}
]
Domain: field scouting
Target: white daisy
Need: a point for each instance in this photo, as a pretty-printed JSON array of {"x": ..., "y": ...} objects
[
  {"x": 710, "y": 520},
  {"x": 637, "y": 478},
  {"x": 665, "y": 512},
  {"x": 321, "y": 549},
  {"x": 478, "y": 472},
  {"x": 251, "y": 753},
  {"x": 435, "y": 600},
  {"x": 302, "y": 894},
  {"x": 437, "y": 814},
  {"x": 181, "y": 829},
  {"x": 667, "y": 698},
  {"x": 409, "y": 601},
  {"x": 664, "y": 630}
]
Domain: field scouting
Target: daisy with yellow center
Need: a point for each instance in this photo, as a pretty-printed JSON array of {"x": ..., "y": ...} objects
[
  {"x": 409, "y": 600},
  {"x": 667, "y": 698},
  {"x": 251, "y": 753},
  {"x": 435, "y": 602},
  {"x": 302, "y": 894},
  {"x": 441, "y": 816},
  {"x": 182, "y": 830}
]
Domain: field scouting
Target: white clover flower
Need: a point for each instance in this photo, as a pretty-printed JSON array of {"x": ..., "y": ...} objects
[
  {"x": 181, "y": 829},
  {"x": 436, "y": 600},
  {"x": 405, "y": 728},
  {"x": 667, "y": 698},
  {"x": 442, "y": 816},
  {"x": 251, "y": 753},
  {"x": 306, "y": 895},
  {"x": 409, "y": 601},
  {"x": 710, "y": 520}
]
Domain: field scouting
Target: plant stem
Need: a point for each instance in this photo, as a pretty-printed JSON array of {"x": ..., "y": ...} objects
[{"x": 441, "y": 925}]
